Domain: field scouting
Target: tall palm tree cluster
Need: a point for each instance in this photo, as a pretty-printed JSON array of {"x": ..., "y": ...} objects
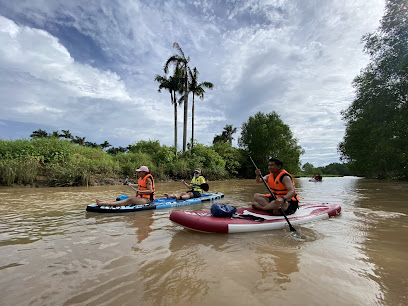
[{"x": 181, "y": 82}]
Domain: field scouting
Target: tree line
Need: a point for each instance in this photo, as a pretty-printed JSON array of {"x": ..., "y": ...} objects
[
  {"x": 59, "y": 159},
  {"x": 376, "y": 138}
]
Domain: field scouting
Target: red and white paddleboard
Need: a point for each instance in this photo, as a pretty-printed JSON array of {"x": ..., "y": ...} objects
[{"x": 203, "y": 221}]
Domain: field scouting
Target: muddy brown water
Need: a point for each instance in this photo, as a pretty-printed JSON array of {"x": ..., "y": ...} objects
[{"x": 52, "y": 252}]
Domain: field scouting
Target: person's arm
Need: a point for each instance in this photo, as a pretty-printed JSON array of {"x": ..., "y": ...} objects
[
  {"x": 187, "y": 184},
  {"x": 289, "y": 186},
  {"x": 258, "y": 176},
  {"x": 133, "y": 185}
]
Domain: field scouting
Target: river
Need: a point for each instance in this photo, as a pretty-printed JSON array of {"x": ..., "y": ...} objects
[{"x": 52, "y": 252}]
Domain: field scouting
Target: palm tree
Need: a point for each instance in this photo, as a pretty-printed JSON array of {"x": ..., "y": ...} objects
[
  {"x": 197, "y": 89},
  {"x": 172, "y": 84},
  {"x": 182, "y": 61},
  {"x": 227, "y": 133},
  {"x": 79, "y": 140},
  {"x": 91, "y": 144},
  {"x": 39, "y": 134},
  {"x": 55, "y": 134},
  {"x": 66, "y": 134},
  {"x": 105, "y": 145}
]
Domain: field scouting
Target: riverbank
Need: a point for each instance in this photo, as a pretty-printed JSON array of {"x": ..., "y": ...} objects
[{"x": 53, "y": 162}]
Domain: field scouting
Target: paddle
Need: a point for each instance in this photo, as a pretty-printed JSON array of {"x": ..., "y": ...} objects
[
  {"x": 292, "y": 229},
  {"x": 126, "y": 183},
  {"x": 204, "y": 186}
]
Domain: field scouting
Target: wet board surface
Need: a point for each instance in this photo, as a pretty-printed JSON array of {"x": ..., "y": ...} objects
[
  {"x": 203, "y": 221},
  {"x": 160, "y": 203}
]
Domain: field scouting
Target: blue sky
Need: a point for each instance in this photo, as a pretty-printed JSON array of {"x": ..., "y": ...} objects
[{"x": 89, "y": 67}]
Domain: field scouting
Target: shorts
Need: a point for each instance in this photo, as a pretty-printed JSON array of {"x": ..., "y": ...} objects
[
  {"x": 196, "y": 194},
  {"x": 293, "y": 206}
]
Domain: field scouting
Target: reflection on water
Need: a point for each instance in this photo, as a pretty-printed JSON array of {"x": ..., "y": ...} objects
[{"x": 52, "y": 252}]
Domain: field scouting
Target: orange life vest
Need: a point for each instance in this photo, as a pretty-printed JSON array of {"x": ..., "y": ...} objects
[
  {"x": 278, "y": 188},
  {"x": 142, "y": 184}
]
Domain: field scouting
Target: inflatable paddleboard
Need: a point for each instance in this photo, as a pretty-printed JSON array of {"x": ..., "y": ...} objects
[
  {"x": 156, "y": 204},
  {"x": 203, "y": 221}
]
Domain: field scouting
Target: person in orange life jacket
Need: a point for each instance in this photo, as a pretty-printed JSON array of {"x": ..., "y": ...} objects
[
  {"x": 195, "y": 191},
  {"x": 283, "y": 187},
  {"x": 144, "y": 193}
]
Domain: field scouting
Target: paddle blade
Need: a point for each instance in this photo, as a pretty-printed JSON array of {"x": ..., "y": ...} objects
[{"x": 205, "y": 187}]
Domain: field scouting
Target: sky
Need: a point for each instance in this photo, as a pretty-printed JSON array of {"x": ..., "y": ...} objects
[{"x": 89, "y": 67}]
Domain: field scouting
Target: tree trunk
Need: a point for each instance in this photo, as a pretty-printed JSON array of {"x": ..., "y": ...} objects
[
  {"x": 175, "y": 121},
  {"x": 185, "y": 114},
  {"x": 192, "y": 124}
]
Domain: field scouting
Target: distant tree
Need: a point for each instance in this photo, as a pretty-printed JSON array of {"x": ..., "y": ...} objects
[
  {"x": 219, "y": 138},
  {"x": 308, "y": 168},
  {"x": 105, "y": 145},
  {"x": 376, "y": 139},
  {"x": 66, "y": 134},
  {"x": 230, "y": 155},
  {"x": 91, "y": 144},
  {"x": 55, "y": 134},
  {"x": 39, "y": 134},
  {"x": 265, "y": 136},
  {"x": 226, "y": 135},
  {"x": 336, "y": 169},
  {"x": 114, "y": 151},
  {"x": 182, "y": 61},
  {"x": 198, "y": 90},
  {"x": 228, "y": 132},
  {"x": 79, "y": 140},
  {"x": 173, "y": 84}
]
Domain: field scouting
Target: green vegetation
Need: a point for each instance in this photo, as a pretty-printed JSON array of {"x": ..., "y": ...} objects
[
  {"x": 57, "y": 160},
  {"x": 49, "y": 161},
  {"x": 376, "y": 139},
  {"x": 333, "y": 169},
  {"x": 265, "y": 136}
]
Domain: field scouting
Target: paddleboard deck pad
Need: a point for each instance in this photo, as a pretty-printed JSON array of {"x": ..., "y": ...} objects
[
  {"x": 203, "y": 221},
  {"x": 159, "y": 203}
]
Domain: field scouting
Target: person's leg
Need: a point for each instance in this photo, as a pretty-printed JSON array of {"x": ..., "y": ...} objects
[
  {"x": 186, "y": 195},
  {"x": 176, "y": 196},
  {"x": 170, "y": 196},
  {"x": 261, "y": 201},
  {"x": 266, "y": 203},
  {"x": 132, "y": 200},
  {"x": 293, "y": 206}
]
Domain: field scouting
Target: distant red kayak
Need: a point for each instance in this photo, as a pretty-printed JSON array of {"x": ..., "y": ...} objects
[{"x": 203, "y": 221}]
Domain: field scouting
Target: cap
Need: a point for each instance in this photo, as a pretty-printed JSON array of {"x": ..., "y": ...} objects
[
  {"x": 143, "y": 168},
  {"x": 197, "y": 170}
]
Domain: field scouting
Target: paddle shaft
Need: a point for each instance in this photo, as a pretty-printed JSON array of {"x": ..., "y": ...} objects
[
  {"x": 292, "y": 229},
  {"x": 126, "y": 183}
]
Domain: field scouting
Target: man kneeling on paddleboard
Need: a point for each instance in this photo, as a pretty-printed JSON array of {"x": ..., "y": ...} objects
[{"x": 283, "y": 188}]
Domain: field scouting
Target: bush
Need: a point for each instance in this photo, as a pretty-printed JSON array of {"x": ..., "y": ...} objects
[{"x": 20, "y": 171}]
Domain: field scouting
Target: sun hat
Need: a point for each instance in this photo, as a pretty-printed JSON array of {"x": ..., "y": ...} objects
[
  {"x": 143, "y": 168},
  {"x": 197, "y": 170}
]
